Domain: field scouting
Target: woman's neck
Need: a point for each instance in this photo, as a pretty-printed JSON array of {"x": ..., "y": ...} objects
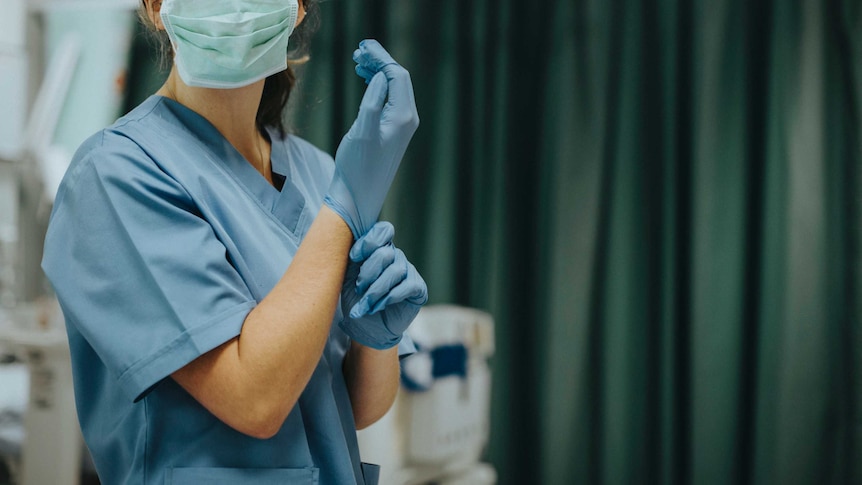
[{"x": 233, "y": 112}]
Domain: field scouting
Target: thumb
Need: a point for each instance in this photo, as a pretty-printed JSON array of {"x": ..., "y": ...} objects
[
  {"x": 368, "y": 121},
  {"x": 379, "y": 235}
]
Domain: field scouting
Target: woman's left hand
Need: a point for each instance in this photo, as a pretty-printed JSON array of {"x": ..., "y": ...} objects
[{"x": 382, "y": 290}]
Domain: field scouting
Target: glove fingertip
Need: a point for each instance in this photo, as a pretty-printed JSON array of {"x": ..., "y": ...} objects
[
  {"x": 368, "y": 43},
  {"x": 356, "y": 252},
  {"x": 419, "y": 300},
  {"x": 362, "y": 285},
  {"x": 356, "y": 311},
  {"x": 375, "y": 94},
  {"x": 386, "y": 229}
]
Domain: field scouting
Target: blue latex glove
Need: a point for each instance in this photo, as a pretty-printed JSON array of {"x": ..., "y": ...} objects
[
  {"x": 370, "y": 153},
  {"x": 382, "y": 291}
]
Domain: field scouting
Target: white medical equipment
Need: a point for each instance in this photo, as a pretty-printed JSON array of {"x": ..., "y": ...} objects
[
  {"x": 14, "y": 380},
  {"x": 439, "y": 425},
  {"x": 51, "y": 451}
]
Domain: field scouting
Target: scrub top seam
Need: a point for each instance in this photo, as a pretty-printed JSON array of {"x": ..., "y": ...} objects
[
  {"x": 268, "y": 211},
  {"x": 256, "y": 200},
  {"x": 301, "y": 223},
  {"x": 135, "y": 368},
  {"x": 144, "y": 152},
  {"x": 213, "y": 156},
  {"x": 128, "y": 120}
]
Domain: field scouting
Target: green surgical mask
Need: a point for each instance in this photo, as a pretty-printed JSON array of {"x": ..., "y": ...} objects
[{"x": 229, "y": 43}]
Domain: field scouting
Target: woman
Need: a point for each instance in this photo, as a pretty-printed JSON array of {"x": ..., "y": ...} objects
[{"x": 234, "y": 312}]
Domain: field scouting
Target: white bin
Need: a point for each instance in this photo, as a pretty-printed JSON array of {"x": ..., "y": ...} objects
[{"x": 437, "y": 431}]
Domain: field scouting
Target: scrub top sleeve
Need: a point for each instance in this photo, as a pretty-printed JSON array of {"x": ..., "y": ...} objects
[{"x": 137, "y": 270}]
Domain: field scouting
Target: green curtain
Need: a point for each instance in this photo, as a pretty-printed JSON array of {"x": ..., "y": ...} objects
[{"x": 658, "y": 201}]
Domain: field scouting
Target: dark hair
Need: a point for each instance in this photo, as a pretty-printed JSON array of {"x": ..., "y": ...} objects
[{"x": 277, "y": 88}]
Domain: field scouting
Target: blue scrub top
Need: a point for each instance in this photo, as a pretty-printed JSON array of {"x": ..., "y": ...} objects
[{"x": 162, "y": 239}]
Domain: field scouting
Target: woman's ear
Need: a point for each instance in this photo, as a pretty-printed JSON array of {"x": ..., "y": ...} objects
[{"x": 154, "y": 7}]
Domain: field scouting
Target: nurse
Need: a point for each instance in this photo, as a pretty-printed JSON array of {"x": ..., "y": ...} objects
[{"x": 234, "y": 309}]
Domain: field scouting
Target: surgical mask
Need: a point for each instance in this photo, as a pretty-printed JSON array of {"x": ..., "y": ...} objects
[{"x": 229, "y": 43}]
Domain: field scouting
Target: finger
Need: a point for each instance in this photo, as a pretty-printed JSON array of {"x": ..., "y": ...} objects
[
  {"x": 375, "y": 95},
  {"x": 374, "y": 266},
  {"x": 380, "y": 234},
  {"x": 410, "y": 291},
  {"x": 401, "y": 105},
  {"x": 367, "y": 123},
  {"x": 364, "y": 73},
  {"x": 420, "y": 294},
  {"x": 391, "y": 277},
  {"x": 372, "y": 56}
]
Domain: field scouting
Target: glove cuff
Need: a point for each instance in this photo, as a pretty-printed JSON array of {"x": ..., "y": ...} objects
[
  {"x": 355, "y": 331},
  {"x": 344, "y": 202}
]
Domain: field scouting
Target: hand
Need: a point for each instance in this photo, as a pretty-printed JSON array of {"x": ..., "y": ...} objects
[
  {"x": 369, "y": 154},
  {"x": 382, "y": 291}
]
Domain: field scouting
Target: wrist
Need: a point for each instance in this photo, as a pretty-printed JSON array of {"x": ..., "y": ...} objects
[{"x": 331, "y": 216}]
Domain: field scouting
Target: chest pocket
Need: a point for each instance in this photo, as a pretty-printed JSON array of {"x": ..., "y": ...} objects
[{"x": 233, "y": 476}]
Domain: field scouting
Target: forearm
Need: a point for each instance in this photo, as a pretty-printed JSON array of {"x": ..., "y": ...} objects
[
  {"x": 372, "y": 378},
  {"x": 253, "y": 381}
]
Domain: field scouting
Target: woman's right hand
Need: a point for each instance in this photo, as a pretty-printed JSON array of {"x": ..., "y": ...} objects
[
  {"x": 370, "y": 153},
  {"x": 382, "y": 291}
]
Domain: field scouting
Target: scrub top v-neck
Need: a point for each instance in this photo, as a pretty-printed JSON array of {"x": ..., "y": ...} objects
[{"x": 161, "y": 240}]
